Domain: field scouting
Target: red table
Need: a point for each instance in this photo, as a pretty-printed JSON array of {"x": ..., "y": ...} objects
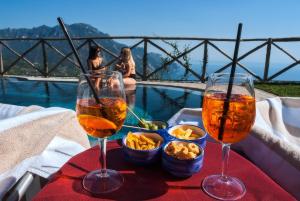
[{"x": 152, "y": 183}]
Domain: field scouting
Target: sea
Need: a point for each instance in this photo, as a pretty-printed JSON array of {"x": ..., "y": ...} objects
[{"x": 292, "y": 74}]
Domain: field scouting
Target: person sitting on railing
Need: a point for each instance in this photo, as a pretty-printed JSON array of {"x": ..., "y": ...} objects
[{"x": 126, "y": 66}]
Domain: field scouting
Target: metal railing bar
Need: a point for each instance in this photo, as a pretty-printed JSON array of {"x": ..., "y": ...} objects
[
  {"x": 222, "y": 52},
  {"x": 61, "y": 53},
  {"x": 115, "y": 59},
  {"x": 227, "y": 56},
  {"x": 283, "y": 70},
  {"x": 204, "y": 61},
  {"x": 251, "y": 73},
  {"x": 16, "y": 53},
  {"x": 104, "y": 49},
  {"x": 67, "y": 55},
  {"x": 154, "y": 38},
  {"x": 284, "y": 39},
  {"x": 242, "y": 57},
  {"x": 21, "y": 57},
  {"x": 286, "y": 52},
  {"x": 186, "y": 52},
  {"x": 182, "y": 64}
]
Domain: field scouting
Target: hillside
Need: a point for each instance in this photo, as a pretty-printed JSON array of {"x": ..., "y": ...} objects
[{"x": 66, "y": 68}]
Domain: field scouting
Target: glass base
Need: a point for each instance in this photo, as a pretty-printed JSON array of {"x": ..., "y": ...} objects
[
  {"x": 97, "y": 182},
  {"x": 223, "y": 188}
]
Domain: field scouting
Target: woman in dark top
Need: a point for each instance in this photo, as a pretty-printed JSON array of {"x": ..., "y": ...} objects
[
  {"x": 94, "y": 63},
  {"x": 95, "y": 59}
]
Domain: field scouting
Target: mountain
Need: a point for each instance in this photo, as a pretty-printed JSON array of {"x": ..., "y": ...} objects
[{"x": 66, "y": 68}]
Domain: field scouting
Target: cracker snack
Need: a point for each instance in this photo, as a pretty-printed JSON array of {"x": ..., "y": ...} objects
[
  {"x": 183, "y": 151},
  {"x": 186, "y": 134}
]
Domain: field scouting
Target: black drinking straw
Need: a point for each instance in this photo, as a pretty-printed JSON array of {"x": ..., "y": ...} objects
[
  {"x": 229, "y": 89},
  {"x": 67, "y": 35}
]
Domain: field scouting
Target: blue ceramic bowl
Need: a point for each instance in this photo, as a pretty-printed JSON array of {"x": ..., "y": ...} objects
[
  {"x": 182, "y": 168},
  {"x": 143, "y": 157},
  {"x": 200, "y": 141}
]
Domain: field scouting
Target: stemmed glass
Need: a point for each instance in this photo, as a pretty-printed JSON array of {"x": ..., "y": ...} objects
[
  {"x": 237, "y": 123},
  {"x": 100, "y": 119}
]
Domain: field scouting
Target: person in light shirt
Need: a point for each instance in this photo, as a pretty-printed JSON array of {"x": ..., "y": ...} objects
[{"x": 126, "y": 66}]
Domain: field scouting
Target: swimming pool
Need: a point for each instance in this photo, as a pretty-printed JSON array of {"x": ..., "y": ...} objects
[{"x": 150, "y": 102}]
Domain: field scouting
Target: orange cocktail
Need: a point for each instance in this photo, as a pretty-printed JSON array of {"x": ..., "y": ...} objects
[
  {"x": 101, "y": 111},
  {"x": 228, "y": 114},
  {"x": 239, "y": 119},
  {"x": 101, "y": 120}
]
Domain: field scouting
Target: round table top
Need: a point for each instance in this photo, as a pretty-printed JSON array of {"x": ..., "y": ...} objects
[{"x": 152, "y": 183}]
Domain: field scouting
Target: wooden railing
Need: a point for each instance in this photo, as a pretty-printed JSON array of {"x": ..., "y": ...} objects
[{"x": 144, "y": 72}]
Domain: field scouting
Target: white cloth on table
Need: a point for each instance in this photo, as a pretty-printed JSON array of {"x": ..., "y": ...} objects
[{"x": 57, "y": 149}]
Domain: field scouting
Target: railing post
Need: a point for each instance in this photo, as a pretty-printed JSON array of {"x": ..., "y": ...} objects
[
  {"x": 145, "y": 60},
  {"x": 204, "y": 61},
  {"x": 1, "y": 61},
  {"x": 90, "y": 43},
  {"x": 267, "y": 62},
  {"x": 45, "y": 59}
]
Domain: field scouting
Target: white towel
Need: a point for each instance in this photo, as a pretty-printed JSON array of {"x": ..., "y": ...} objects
[
  {"x": 274, "y": 142},
  {"x": 7, "y": 111},
  {"x": 38, "y": 140},
  {"x": 191, "y": 116}
]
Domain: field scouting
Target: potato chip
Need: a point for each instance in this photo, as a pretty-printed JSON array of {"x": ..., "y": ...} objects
[
  {"x": 148, "y": 140},
  {"x": 141, "y": 142},
  {"x": 130, "y": 144}
]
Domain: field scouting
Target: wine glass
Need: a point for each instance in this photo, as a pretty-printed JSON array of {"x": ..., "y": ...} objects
[
  {"x": 236, "y": 124},
  {"x": 101, "y": 117}
]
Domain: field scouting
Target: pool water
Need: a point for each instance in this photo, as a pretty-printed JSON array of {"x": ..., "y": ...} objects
[{"x": 149, "y": 102}]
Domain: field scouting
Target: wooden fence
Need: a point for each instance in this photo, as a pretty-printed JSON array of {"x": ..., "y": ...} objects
[{"x": 144, "y": 73}]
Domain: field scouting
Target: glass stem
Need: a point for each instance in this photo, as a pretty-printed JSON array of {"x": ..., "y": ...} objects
[
  {"x": 102, "y": 157},
  {"x": 225, "y": 156}
]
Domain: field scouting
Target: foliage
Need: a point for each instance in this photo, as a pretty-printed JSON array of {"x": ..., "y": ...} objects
[
  {"x": 288, "y": 89},
  {"x": 175, "y": 53}
]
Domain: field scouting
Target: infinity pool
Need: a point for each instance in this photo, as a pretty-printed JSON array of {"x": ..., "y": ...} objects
[{"x": 150, "y": 102}]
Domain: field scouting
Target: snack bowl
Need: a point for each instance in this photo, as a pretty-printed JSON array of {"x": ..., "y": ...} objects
[
  {"x": 182, "y": 167},
  {"x": 143, "y": 157},
  {"x": 196, "y": 130}
]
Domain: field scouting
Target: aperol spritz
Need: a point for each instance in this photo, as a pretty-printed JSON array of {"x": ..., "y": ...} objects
[
  {"x": 101, "y": 111},
  {"x": 227, "y": 126}
]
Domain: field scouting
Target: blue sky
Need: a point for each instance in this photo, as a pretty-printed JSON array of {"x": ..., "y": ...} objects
[
  {"x": 211, "y": 18},
  {"x": 202, "y": 18}
]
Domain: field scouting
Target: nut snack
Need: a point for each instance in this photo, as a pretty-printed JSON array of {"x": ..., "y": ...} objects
[{"x": 183, "y": 151}]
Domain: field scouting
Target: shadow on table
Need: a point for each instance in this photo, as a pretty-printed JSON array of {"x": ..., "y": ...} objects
[{"x": 141, "y": 183}]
